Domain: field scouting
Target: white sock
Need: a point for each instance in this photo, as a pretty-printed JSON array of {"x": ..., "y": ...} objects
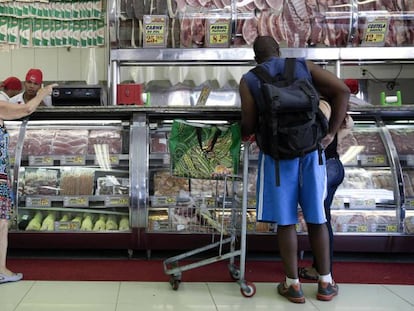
[
  {"x": 290, "y": 281},
  {"x": 327, "y": 278}
]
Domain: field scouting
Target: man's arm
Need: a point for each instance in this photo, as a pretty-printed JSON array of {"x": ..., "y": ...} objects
[
  {"x": 248, "y": 109},
  {"x": 337, "y": 94}
]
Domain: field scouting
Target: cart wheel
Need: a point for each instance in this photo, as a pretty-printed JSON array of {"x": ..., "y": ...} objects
[
  {"x": 248, "y": 289},
  {"x": 234, "y": 273},
  {"x": 175, "y": 283}
]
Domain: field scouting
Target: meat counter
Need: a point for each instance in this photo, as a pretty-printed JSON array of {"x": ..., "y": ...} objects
[
  {"x": 82, "y": 182},
  {"x": 71, "y": 179},
  {"x": 370, "y": 211}
]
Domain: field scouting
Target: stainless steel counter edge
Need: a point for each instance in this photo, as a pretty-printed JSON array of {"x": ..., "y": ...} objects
[{"x": 125, "y": 112}]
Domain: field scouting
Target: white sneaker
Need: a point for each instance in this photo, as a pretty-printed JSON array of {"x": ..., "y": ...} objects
[{"x": 4, "y": 278}]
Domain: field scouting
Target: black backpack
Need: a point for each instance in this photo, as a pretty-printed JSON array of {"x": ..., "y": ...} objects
[{"x": 290, "y": 123}]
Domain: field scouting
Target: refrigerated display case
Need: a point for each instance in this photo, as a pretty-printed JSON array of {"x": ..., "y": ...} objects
[{"x": 71, "y": 180}]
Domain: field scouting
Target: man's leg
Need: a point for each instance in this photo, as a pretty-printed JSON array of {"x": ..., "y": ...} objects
[
  {"x": 288, "y": 248},
  {"x": 319, "y": 241}
]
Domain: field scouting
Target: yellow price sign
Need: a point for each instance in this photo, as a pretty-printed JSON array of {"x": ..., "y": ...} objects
[
  {"x": 391, "y": 228},
  {"x": 154, "y": 39},
  {"x": 118, "y": 201},
  {"x": 374, "y": 37},
  {"x": 362, "y": 228}
]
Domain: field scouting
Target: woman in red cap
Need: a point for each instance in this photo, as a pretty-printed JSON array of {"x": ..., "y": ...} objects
[
  {"x": 32, "y": 84},
  {"x": 11, "y": 112},
  {"x": 10, "y": 87}
]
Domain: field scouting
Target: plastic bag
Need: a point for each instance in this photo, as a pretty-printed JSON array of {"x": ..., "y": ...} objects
[{"x": 204, "y": 150}]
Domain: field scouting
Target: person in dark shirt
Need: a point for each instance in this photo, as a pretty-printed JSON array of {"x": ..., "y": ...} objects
[
  {"x": 304, "y": 177},
  {"x": 335, "y": 175}
]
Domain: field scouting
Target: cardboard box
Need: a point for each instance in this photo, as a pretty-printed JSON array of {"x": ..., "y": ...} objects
[{"x": 129, "y": 94}]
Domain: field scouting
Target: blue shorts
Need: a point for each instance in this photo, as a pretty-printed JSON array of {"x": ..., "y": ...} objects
[{"x": 302, "y": 181}]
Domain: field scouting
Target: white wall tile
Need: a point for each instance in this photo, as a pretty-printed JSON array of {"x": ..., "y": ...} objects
[
  {"x": 5, "y": 65},
  {"x": 57, "y": 64},
  {"x": 22, "y": 60}
]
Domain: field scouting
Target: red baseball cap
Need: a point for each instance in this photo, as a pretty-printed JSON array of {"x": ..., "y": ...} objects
[
  {"x": 353, "y": 85},
  {"x": 12, "y": 83},
  {"x": 35, "y": 76}
]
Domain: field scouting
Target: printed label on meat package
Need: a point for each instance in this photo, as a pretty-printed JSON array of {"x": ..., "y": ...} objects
[
  {"x": 218, "y": 32},
  {"x": 155, "y": 30}
]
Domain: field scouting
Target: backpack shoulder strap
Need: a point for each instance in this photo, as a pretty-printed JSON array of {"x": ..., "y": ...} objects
[
  {"x": 262, "y": 74},
  {"x": 289, "y": 73}
]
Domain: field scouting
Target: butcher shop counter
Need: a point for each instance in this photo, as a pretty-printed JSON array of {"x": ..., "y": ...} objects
[{"x": 372, "y": 211}]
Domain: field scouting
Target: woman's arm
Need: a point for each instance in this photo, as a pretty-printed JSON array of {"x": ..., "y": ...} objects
[{"x": 10, "y": 111}]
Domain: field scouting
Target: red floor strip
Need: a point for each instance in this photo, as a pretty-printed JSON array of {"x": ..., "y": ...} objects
[{"x": 153, "y": 270}]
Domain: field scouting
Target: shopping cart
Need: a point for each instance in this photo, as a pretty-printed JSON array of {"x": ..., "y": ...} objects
[{"x": 228, "y": 230}]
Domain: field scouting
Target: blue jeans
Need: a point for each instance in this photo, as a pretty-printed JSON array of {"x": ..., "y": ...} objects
[{"x": 335, "y": 175}]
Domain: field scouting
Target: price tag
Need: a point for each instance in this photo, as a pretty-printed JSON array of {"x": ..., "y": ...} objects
[
  {"x": 163, "y": 201},
  {"x": 375, "y": 32},
  {"x": 76, "y": 201},
  {"x": 67, "y": 225},
  {"x": 362, "y": 203},
  {"x": 218, "y": 32},
  {"x": 338, "y": 203},
  {"x": 116, "y": 201},
  {"x": 72, "y": 160},
  {"x": 155, "y": 31},
  {"x": 41, "y": 160},
  {"x": 374, "y": 160},
  {"x": 251, "y": 202},
  {"x": 355, "y": 228},
  {"x": 113, "y": 160},
  {"x": 391, "y": 228},
  {"x": 362, "y": 228},
  {"x": 409, "y": 203},
  {"x": 38, "y": 202},
  {"x": 180, "y": 227}
]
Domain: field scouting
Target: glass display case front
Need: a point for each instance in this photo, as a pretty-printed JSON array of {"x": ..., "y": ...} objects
[
  {"x": 402, "y": 132},
  {"x": 73, "y": 176}
]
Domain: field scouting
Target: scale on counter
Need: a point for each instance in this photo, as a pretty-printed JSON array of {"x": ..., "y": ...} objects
[{"x": 77, "y": 95}]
